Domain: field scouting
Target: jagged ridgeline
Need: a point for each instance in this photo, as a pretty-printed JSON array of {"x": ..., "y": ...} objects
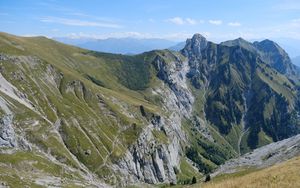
[{"x": 73, "y": 117}]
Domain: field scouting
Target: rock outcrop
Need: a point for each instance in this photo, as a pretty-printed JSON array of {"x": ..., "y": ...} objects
[
  {"x": 153, "y": 160},
  {"x": 263, "y": 157},
  {"x": 150, "y": 161},
  {"x": 7, "y": 133}
]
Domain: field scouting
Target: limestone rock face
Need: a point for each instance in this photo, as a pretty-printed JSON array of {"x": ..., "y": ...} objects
[
  {"x": 195, "y": 45},
  {"x": 174, "y": 75},
  {"x": 151, "y": 162},
  {"x": 155, "y": 162},
  {"x": 7, "y": 134}
]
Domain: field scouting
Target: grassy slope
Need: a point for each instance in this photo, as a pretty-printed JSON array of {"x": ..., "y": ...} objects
[
  {"x": 105, "y": 132},
  {"x": 285, "y": 174}
]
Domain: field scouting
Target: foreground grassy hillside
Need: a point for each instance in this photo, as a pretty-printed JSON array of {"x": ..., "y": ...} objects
[
  {"x": 285, "y": 174},
  {"x": 80, "y": 111}
]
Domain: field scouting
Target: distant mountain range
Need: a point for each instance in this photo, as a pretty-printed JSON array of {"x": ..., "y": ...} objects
[
  {"x": 135, "y": 46},
  {"x": 121, "y": 45},
  {"x": 296, "y": 61}
]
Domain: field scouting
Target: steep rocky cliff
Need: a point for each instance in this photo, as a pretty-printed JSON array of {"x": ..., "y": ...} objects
[{"x": 250, "y": 86}]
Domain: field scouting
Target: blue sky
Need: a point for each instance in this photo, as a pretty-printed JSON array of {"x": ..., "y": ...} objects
[{"x": 170, "y": 19}]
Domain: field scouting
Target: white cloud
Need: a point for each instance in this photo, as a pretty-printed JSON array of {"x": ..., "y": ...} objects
[
  {"x": 200, "y": 21},
  {"x": 184, "y": 21},
  {"x": 182, "y": 36},
  {"x": 191, "y": 21},
  {"x": 75, "y": 22},
  {"x": 215, "y": 22},
  {"x": 179, "y": 36},
  {"x": 296, "y": 20},
  {"x": 131, "y": 34},
  {"x": 35, "y": 35},
  {"x": 234, "y": 24},
  {"x": 176, "y": 20}
]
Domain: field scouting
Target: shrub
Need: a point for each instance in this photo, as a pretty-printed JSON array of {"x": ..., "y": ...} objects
[
  {"x": 207, "y": 178},
  {"x": 194, "y": 180}
]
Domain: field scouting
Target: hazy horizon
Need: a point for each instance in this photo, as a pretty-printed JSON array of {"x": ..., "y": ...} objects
[{"x": 172, "y": 20}]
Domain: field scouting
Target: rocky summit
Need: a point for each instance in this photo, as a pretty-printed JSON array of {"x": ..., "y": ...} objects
[{"x": 79, "y": 118}]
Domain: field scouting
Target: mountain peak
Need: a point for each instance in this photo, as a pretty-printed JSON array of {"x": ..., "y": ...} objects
[
  {"x": 239, "y": 42},
  {"x": 269, "y": 45},
  {"x": 277, "y": 57},
  {"x": 195, "y": 45},
  {"x": 198, "y": 41},
  {"x": 198, "y": 36}
]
